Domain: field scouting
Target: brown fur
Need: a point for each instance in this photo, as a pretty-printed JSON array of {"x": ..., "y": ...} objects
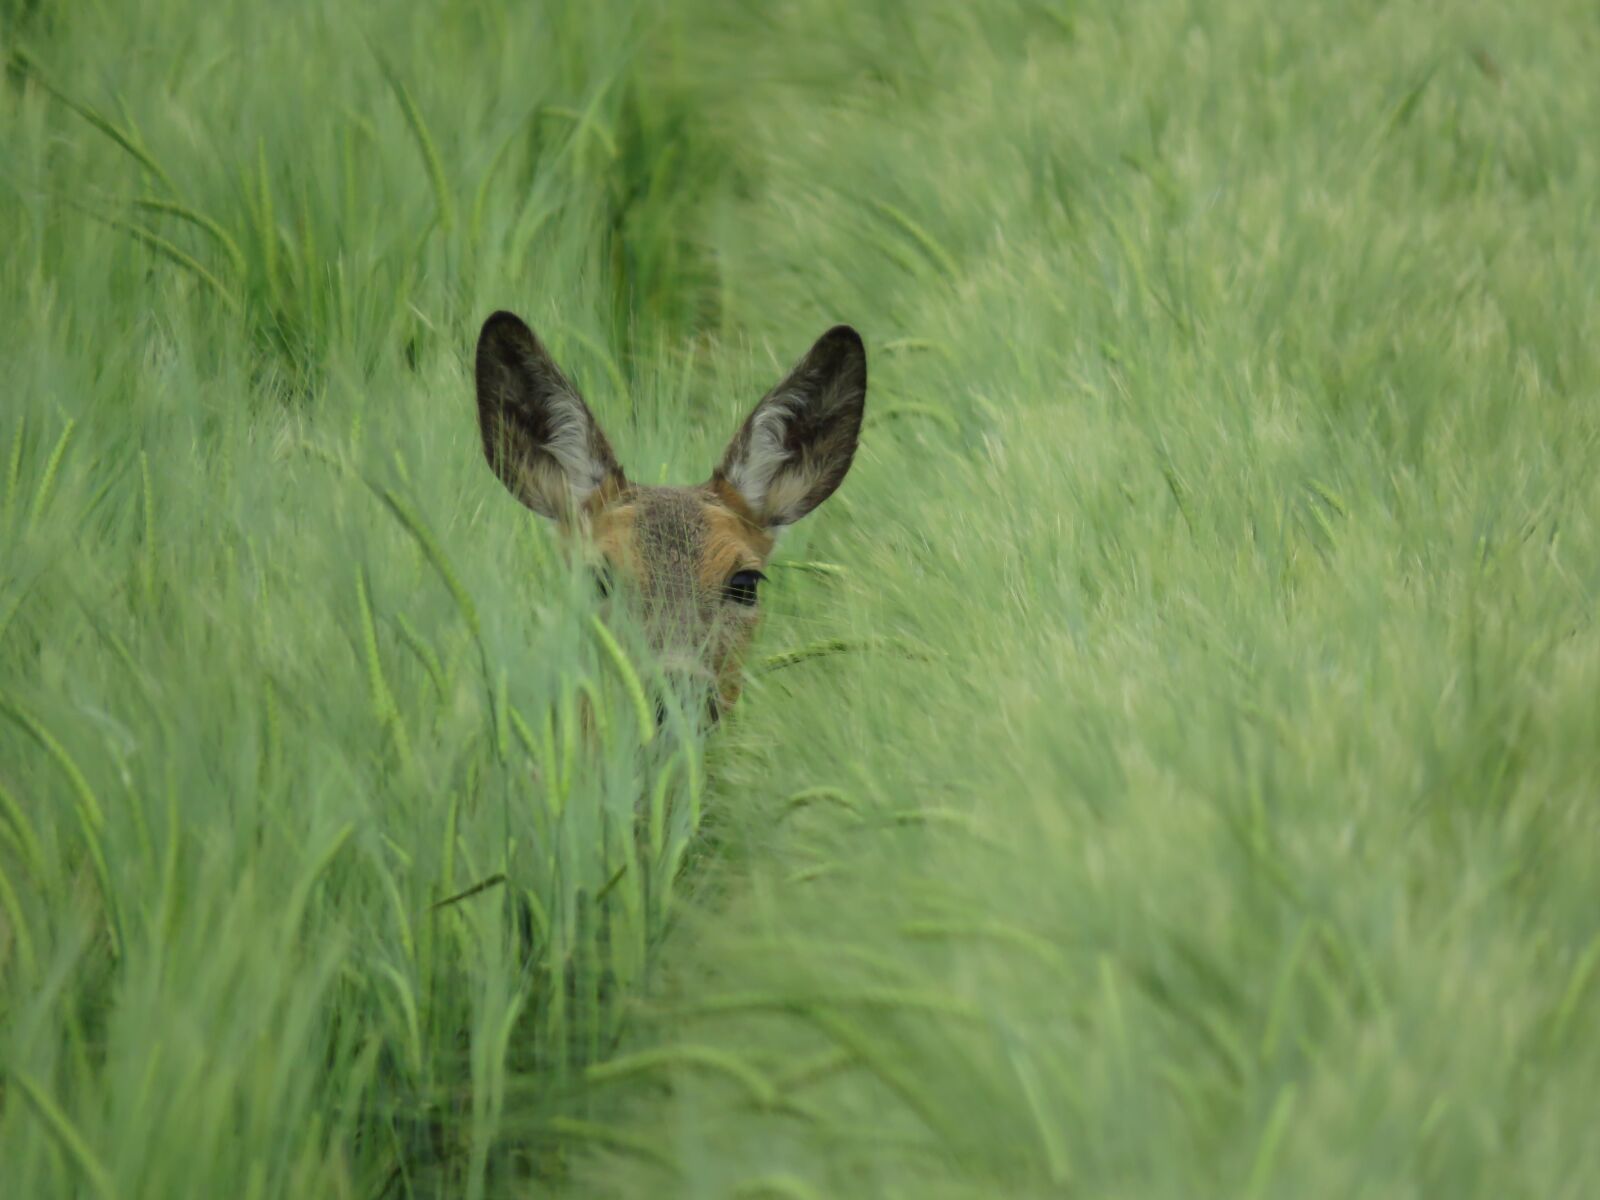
[{"x": 676, "y": 548}]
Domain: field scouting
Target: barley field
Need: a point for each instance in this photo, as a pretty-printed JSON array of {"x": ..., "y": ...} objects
[{"x": 1168, "y": 767}]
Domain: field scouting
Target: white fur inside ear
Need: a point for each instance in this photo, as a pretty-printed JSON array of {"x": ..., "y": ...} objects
[
  {"x": 542, "y": 485},
  {"x": 571, "y": 445},
  {"x": 794, "y": 449},
  {"x": 786, "y": 495},
  {"x": 766, "y": 475}
]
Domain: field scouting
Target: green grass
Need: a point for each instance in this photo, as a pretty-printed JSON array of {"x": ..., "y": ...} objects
[{"x": 1169, "y": 765}]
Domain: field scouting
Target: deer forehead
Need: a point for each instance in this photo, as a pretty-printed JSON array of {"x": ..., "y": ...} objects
[{"x": 677, "y": 534}]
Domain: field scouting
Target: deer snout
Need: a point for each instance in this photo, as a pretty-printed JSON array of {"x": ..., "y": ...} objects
[{"x": 686, "y": 684}]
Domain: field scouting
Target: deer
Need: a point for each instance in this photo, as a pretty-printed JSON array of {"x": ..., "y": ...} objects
[{"x": 689, "y": 560}]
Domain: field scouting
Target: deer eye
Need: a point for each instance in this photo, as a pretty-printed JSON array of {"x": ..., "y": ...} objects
[
  {"x": 602, "y": 579},
  {"x": 741, "y": 587}
]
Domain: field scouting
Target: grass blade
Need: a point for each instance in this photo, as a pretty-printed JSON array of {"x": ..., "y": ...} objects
[
  {"x": 14, "y": 470},
  {"x": 761, "y": 1092},
  {"x": 937, "y": 254},
  {"x": 66, "y": 1135},
  {"x": 41, "y": 495},
  {"x": 173, "y": 254},
  {"x": 205, "y": 224},
  {"x": 630, "y": 678},
  {"x": 123, "y": 138},
  {"x": 430, "y": 154},
  {"x": 75, "y": 777}
]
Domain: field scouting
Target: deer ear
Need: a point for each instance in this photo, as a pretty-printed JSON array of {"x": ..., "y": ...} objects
[
  {"x": 794, "y": 449},
  {"x": 539, "y": 436}
]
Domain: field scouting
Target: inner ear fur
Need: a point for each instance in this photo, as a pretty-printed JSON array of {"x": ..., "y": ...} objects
[
  {"x": 795, "y": 448},
  {"x": 539, "y": 436}
]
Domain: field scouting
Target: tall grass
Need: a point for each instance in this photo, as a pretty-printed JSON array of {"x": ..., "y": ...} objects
[
  {"x": 1169, "y": 765},
  {"x": 314, "y": 882}
]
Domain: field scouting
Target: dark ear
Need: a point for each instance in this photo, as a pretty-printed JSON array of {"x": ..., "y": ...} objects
[
  {"x": 795, "y": 448},
  {"x": 539, "y": 436}
]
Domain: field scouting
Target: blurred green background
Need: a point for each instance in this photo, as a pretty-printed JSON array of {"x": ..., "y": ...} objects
[{"x": 1169, "y": 765}]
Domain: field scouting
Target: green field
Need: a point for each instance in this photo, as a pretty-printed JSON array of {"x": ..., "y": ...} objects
[{"x": 1169, "y": 767}]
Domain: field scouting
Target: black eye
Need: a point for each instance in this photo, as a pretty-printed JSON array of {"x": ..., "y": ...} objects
[
  {"x": 602, "y": 579},
  {"x": 741, "y": 587}
]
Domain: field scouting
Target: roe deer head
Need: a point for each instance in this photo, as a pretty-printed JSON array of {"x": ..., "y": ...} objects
[{"x": 689, "y": 558}]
